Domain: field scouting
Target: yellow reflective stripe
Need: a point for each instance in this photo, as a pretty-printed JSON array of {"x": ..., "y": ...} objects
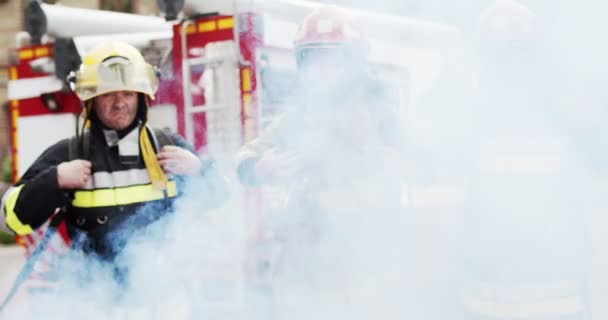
[
  {"x": 247, "y": 105},
  {"x": 246, "y": 79},
  {"x": 206, "y": 26},
  {"x": 225, "y": 23},
  {"x": 26, "y": 54},
  {"x": 12, "y": 73},
  {"x": 121, "y": 196},
  {"x": 12, "y": 221},
  {"x": 191, "y": 29},
  {"x": 41, "y": 52}
]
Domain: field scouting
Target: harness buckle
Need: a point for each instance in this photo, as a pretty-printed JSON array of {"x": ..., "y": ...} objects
[
  {"x": 102, "y": 219},
  {"x": 80, "y": 221}
]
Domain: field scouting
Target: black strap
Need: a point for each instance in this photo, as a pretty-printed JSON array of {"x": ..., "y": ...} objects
[
  {"x": 78, "y": 148},
  {"x": 162, "y": 138}
]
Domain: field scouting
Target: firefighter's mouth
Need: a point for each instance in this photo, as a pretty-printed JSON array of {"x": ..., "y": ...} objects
[{"x": 120, "y": 114}]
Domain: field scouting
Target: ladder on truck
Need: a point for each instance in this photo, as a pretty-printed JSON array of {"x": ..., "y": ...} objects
[{"x": 221, "y": 62}]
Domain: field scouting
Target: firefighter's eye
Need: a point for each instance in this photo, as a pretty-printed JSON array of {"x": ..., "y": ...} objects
[{"x": 107, "y": 95}]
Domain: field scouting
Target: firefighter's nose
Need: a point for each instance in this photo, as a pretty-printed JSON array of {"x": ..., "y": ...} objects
[{"x": 120, "y": 101}]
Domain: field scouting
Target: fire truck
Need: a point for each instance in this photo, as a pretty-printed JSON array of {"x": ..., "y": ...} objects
[
  {"x": 201, "y": 96},
  {"x": 223, "y": 73}
]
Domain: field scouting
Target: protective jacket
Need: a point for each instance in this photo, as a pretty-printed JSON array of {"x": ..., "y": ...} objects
[{"x": 118, "y": 195}]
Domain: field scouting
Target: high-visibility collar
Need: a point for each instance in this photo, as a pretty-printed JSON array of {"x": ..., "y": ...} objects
[{"x": 128, "y": 145}]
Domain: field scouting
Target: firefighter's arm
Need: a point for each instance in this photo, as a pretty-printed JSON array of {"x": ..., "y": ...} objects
[
  {"x": 247, "y": 160},
  {"x": 35, "y": 197},
  {"x": 249, "y": 156}
]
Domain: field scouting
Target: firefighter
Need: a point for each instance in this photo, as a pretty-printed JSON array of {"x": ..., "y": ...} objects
[
  {"x": 332, "y": 151},
  {"x": 117, "y": 176},
  {"x": 335, "y": 87},
  {"x": 525, "y": 250}
]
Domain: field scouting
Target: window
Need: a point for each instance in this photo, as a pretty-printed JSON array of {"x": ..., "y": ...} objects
[{"x": 118, "y": 5}]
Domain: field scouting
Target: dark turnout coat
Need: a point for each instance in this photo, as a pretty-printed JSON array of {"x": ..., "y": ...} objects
[{"x": 118, "y": 195}]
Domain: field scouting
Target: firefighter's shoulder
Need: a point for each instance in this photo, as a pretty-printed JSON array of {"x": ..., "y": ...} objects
[{"x": 56, "y": 153}]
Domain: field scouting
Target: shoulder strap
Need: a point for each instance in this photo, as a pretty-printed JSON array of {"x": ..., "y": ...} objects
[
  {"x": 162, "y": 138},
  {"x": 78, "y": 148}
]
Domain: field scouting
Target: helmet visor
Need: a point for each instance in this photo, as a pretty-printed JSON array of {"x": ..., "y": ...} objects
[{"x": 115, "y": 74}]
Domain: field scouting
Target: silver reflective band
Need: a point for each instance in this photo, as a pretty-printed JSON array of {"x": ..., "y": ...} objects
[
  {"x": 3, "y": 225},
  {"x": 117, "y": 179}
]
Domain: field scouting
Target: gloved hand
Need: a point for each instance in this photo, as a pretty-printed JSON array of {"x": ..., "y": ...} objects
[
  {"x": 179, "y": 161},
  {"x": 73, "y": 174}
]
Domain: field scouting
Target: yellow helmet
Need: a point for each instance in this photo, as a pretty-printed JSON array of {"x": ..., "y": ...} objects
[{"x": 114, "y": 66}]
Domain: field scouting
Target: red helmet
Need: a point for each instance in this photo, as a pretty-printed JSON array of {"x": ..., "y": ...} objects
[{"x": 329, "y": 27}]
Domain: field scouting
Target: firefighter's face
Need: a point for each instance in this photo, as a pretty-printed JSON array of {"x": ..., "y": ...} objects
[
  {"x": 116, "y": 110},
  {"x": 326, "y": 65}
]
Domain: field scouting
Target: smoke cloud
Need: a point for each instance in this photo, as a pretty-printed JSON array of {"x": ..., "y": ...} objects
[{"x": 459, "y": 174}]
